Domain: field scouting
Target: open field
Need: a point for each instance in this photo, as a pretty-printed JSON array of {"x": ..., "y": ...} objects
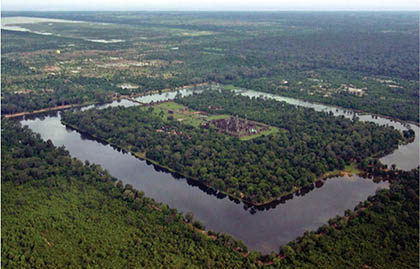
[
  {"x": 271, "y": 131},
  {"x": 196, "y": 118}
]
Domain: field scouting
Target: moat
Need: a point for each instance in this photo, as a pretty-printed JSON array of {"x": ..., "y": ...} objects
[{"x": 263, "y": 230}]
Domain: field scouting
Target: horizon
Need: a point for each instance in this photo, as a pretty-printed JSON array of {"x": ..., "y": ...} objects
[
  {"x": 215, "y": 5},
  {"x": 210, "y": 10}
]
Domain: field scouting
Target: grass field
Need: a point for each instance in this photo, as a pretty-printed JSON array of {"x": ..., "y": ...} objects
[
  {"x": 180, "y": 113},
  {"x": 196, "y": 118},
  {"x": 229, "y": 87},
  {"x": 272, "y": 130},
  {"x": 352, "y": 168}
]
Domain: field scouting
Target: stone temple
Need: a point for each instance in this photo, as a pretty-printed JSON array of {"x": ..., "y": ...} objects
[{"x": 236, "y": 126}]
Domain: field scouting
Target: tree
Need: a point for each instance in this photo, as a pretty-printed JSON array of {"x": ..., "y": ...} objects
[{"x": 189, "y": 216}]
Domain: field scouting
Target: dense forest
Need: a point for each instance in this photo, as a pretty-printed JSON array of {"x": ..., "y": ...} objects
[
  {"x": 381, "y": 232},
  {"x": 251, "y": 50},
  {"x": 59, "y": 212},
  {"x": 308, "y": 145},
  {"x": 395, "y": 98}
]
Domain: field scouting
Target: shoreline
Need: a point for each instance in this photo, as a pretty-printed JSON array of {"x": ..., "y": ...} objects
[
  {"x": 160, "y": 91},
  {"x": 44, "y": 110},
  {"x": 152, "y": 92},
  {"x": 272, "y": 202},
  {"x": 121, "y": 97},
  {"x": 258, "y": 205},
  {"x": 332, "y": 106}
]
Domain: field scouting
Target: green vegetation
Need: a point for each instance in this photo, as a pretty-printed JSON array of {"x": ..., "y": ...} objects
[
  {"x": 180, "y": 113},
  {"x": 269, "y": 132},
  {"x": 393, "y": 97},
  {"x": 352, "y": 168},
  {"x": 171, "y": 105},
  {"x": 229, "y": 87},
  {"x": 172, "y": 110},
  {"x": 58, "y": 212},
  {"x": 381, "y": 232},
  {"x": 258, "y": 170},
  {"x": 315, "y": 56}
]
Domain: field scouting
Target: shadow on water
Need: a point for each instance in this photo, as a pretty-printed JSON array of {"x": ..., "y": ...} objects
[
  {"x": 247, "y": 206},
  {"x": 252, "y": 209},
  {"x": 271, "y": 225}
]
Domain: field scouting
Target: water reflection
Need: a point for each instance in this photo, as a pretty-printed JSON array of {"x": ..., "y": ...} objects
[
  {"x": 406, "y": 157},
  {"x": 252, "y": 209},
  {"x": 159, "y": 97},
  {"x": 262, "y": 228},
  {"x": 270, "y": 228}
]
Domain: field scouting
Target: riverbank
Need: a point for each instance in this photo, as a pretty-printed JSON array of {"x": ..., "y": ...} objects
[
  {"x": 348, "y": 171},
  {"x": 272, "y": 226},
  {"x": 332, "y": 106},
  {"x": 269, "y": 203},
  {"x": 49, "y": 109},
  {"x": 166, "y": 90},
  {"x": 115, "y": 98},
  {"x": 142, "y": 156}
]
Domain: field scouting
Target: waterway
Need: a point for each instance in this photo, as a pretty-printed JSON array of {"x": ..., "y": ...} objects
[
  {"x": 406, "y": 157},
  {"x": 263, "y": 230},
  {"x": 25, "y": 24}
]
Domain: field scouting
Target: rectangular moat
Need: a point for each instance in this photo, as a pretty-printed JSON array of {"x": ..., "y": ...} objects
[{"x": 262, "y": 230}]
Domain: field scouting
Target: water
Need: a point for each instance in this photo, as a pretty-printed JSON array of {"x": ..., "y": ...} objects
[
  {"x": 166, "y": 96},
  {"x": 15, "y": 24},
  {"x": 406, "y": 157},
  {"x": 11, "y": 23},
  {"x": 106, "y": 41},
  {"x": 123, "y": 102},
  {"x": 262, "y": 230}
]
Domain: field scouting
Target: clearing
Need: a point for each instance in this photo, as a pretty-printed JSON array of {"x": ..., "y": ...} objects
[{"x": 225, "y": 124}]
